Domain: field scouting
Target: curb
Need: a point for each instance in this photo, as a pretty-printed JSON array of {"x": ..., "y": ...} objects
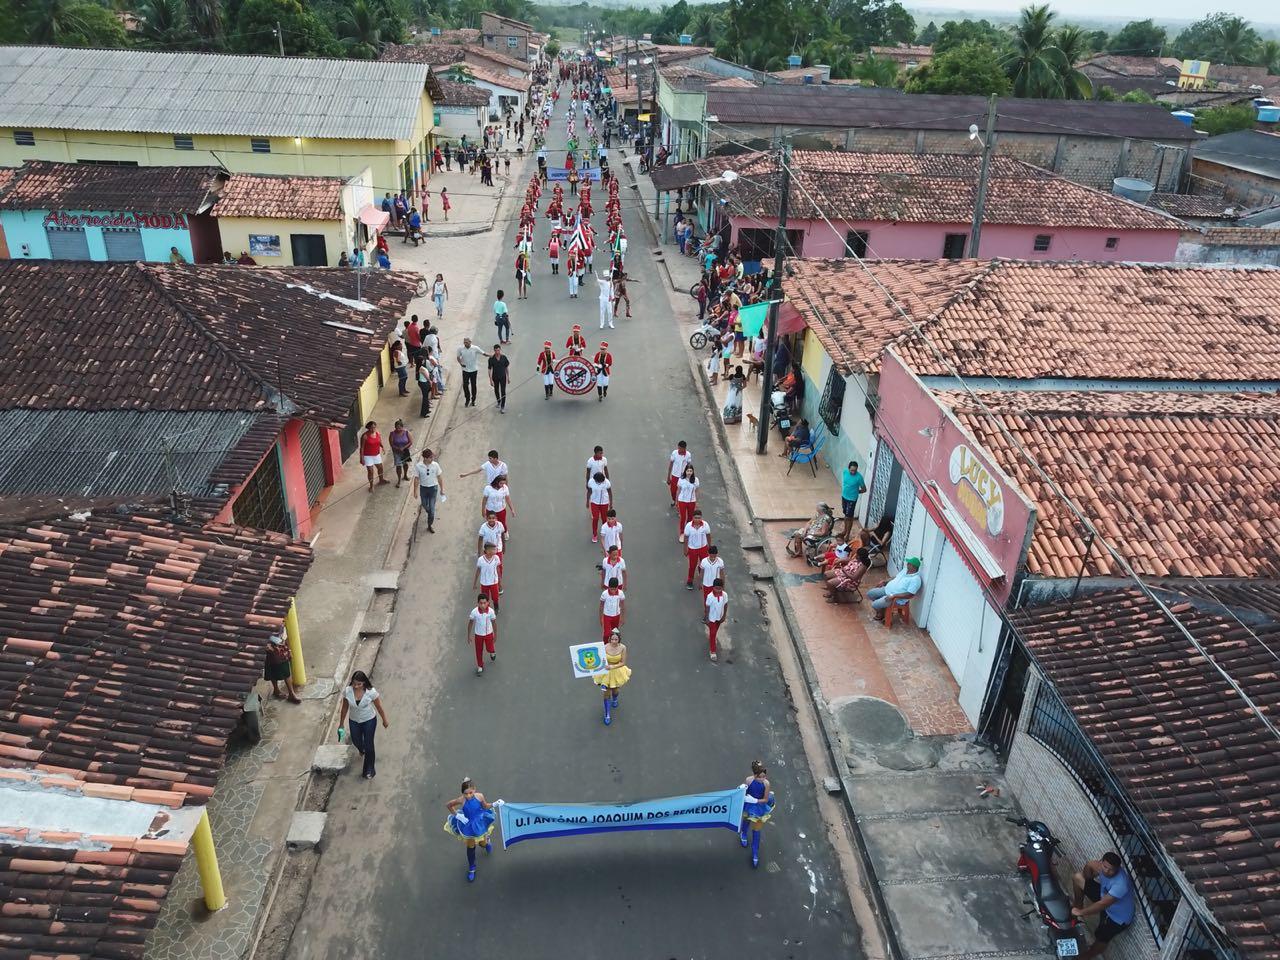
[{"x": 472, "y": 231}]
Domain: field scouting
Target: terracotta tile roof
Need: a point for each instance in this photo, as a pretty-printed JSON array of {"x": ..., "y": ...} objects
[
  {"x": 477, "y": 52},
  {"x": 454, "y": 94},
  {"x": 1242, "y": 237},
  {"x": 1195, "y": 206},
  {"x": 676, "y": 175},
  {"x": 739, "y": 83},
  {"x": 930, "y": 188},
  {"x": 485, "y": 73},
  {"x": 6, "y": 178},
  {"x": 281, "y": 197},
  {"x": 1121, "y": 66},
  {"x": 129, "y": 643},
  {"x": 797, "y": 74},
  {"x": 1183, "y": 485},
  {"x": 1029, "y": 320},
  {"x": 1195, "y": 760},
  {"x": 191, "y": 337},
  {"x": 432, "y": 53},
  {"x": 905, "y": 52},
  {"x": 62, "y": 901},
  {"x": 42, "y": 185}
]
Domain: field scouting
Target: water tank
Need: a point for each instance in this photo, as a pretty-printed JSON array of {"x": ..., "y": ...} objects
[
  {"x": 1269, "y": 114},
  {"x": 794, "y": 60},
  {"x": 1131, "y": 188},
  {"x": 1183, "y": 116}
]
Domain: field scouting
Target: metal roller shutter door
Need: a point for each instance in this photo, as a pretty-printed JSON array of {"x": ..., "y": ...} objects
[
  {"x": 312, "y": 442},
  {"x": 902, "y": 524},
  {"x": 67, "y": 243},
  {"x": 955, "y": 611},
  {"x": 123, "y": 245}
]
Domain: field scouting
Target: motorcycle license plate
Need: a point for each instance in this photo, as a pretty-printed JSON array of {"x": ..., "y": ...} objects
[{"x": 1068, "y": 947}]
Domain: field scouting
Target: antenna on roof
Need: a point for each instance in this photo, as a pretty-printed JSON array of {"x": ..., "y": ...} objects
[{"x": 178, "y": 502}]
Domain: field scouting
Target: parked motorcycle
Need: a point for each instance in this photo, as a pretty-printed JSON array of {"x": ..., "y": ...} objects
[
  {"x": 1035, "y": 860},
  {"x": 704, "y": 335}
]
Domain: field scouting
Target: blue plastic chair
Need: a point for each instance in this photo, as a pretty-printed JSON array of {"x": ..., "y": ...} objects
[{"x": 808, "y": 453}]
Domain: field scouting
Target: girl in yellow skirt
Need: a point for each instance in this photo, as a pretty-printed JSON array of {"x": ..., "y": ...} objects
[
  {"x": 615, "y": 658},
  {"x": 471, "y": 820},
  {"x": 756, "y": 810}
]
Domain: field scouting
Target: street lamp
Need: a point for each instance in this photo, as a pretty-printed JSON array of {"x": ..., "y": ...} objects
[{"x": 980, "y": 201}]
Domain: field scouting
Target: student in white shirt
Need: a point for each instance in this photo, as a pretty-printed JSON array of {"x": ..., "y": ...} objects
[
  {"x": 679, "y": 459},
  {"x": 613, "y": 567},
  {"x": 488, "y": 575},
  {"x": 482, "y": 629},
  {"x": 697, "y": 538},
  {"x": 599, "y": 500},
  {"x": 491, "y": 531},
  {"x": 598, "y": 463},
  {"x": 611, "y": 531},
  {"x": 717, "y": 604},
  {"x": 711, "y": 567},
  {"x": 613, "y": 608},
  {"x": 493, "y": 468},
  {"x": 686, "y": 497},
  {"x": 497, "y": 498}
]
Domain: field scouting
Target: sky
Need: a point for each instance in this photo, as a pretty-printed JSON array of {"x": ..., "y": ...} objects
[{"x": 1259, "y": 11}]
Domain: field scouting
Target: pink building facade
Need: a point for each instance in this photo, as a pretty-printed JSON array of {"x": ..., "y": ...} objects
[{"x": 929, "y": 241}]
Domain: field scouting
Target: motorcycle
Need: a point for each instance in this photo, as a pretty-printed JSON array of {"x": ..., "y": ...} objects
[
  {"x": 704, "y": 335},
  {"x": 781, "y": 412},
  {"x": 1035, "y": 860}
]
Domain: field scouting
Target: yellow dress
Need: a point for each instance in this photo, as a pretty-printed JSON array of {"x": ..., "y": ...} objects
[{"x": 618, "y": 673}]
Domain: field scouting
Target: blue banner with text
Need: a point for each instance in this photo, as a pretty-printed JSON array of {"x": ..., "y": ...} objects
[{"x": 531, "y": 821}]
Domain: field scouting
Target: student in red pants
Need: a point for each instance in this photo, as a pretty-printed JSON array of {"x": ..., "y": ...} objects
[
  {"x": 482, "y": 628},
  {"x": 679, "y": 459},
  {"x": 599, "y": 502},
  {"x": 611, "y": 532},
  {"x": 711, "y": 569},
  {"x": 613, "y": 607},
  {"x": 717, "y": 610},
  {"x": 613, "y": 567},
  {"x": 488, "y": 575},
  {"x": 697, "y": 538},
  {"x": 686, "y": 498}
]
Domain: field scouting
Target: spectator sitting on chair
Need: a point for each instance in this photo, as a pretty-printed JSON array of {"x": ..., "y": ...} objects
[
  {"x": 842, "y": 580},
  {"x": 1107, "y": 884},
  {"x": 798, "y": 438},
  {"x": 897, "y": 591}
]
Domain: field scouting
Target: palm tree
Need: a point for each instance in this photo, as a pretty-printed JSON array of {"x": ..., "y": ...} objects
[
  {"x": 164, "y": 23},
  {"x": 1074, "y": 44},
  {"x": 1035, "y": 65},
  {"x": 205, "y": 17},
  {"x": 1237, "y": 41},
  {"x": 877, "y": 71},
  {"x": 705, "y": 28},
  {"x": 362, "y": 28},
  {"x": 1269, "y": 56}
]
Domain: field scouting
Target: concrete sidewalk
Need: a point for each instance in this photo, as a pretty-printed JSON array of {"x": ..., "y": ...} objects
[{"x": 346, "y": 604}]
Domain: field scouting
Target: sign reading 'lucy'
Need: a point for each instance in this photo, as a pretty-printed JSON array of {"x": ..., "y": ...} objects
[{"x": 977, "y": 490}]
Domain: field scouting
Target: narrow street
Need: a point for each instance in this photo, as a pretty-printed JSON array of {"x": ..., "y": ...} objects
[{"x": 390, "y": 882}]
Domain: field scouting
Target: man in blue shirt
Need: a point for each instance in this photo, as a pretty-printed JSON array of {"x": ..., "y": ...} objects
[
  {"x": 852, "y": 486},
  {"x": 899, "y": 590},
  {"x": 1107, "y": 884}
]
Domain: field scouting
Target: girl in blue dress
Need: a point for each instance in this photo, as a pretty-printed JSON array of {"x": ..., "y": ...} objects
[
  {"x": 757, "y": 808},
  {"x": 471, "y": 821}
]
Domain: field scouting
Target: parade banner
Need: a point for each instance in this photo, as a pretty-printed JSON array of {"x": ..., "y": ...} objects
[
  {"x": 588, "y": 659},
  {"x": 697, "y": 811},
  {"x": 562, "y": 173}
]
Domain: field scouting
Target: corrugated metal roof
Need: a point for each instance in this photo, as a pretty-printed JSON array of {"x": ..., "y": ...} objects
[
  {"x": 203, "y": 93},
  {"x": 108, "y": 453}
]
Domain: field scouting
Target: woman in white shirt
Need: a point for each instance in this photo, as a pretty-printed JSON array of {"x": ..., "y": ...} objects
[
  {"x": 360, "y": 702},
  {"x": 686, "y": 497},
  {"x": 439, "y": 293},
  {"x": 497, "y": 497}
]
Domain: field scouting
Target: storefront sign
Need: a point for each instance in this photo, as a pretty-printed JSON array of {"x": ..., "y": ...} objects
[
  {"x": 264, "y": 245},
  {"x": 976, "y": 489},
  {"x": 126, "y": 221}
]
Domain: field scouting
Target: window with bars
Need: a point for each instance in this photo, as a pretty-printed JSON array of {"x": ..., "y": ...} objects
[
  {"x": 183, "y": 143},
  {"x": 24, "y": 138},
  {"x": 1054, "y": 726},
  {"x": 1042, "y": 242},
  {"x": 1199, "y": 943},
  {"x": 855, "y": 242},
  {"x": 260, "y": 145},
  {"x": 832, "y": 401}
]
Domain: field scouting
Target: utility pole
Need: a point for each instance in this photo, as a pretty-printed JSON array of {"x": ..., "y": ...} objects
[
  {"x": 775, "y": 299},
  {"x": 280, "y": 37},
  {"x": 980, "y": 202}
]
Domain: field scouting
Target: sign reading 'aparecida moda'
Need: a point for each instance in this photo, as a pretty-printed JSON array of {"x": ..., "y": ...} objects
[{"x": 127, "y": 221}]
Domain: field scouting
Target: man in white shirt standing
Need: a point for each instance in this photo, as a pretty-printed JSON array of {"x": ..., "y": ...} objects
[
  {"x": 679, "y": 459},
  {"x": 717, "y": 604},
  {"x": 482, "y": 629},
  {"x": 697, "y": 538},
  {"x": 599, "y": 500},
  {"x": 469, "y": 360},
  {"x": 712, "y": 569}
]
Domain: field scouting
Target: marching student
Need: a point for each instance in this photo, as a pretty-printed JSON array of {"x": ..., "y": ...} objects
[
  {"x": 577, "y": 343},
  {"x": 482, "y": 630},
  {"x": 613, "y": 608},
  {"x": 603, "y": 361},
  {"x": 712, "y": 569},
  {"x": 686, "y": 497},
  {"x": 599, "y": 502},
  {"x": 546, "y": 366},
  {"x": 491, "y": 531},
  {"x": 679, "y": 459},
  {"x": 611, "y": 531},
  {"x": 757, "y": 809},
  {"x": 488, "y": 575},
  {"x": 717, "y": 604},
  {"x": 471, "y": 820},
  {"x": 597, "y": 462},
  {"x": 497, "y": 497},
  {"x": 613, "y": 567},
  {"x": 615, "y": 658},
  {"x": 493, "y": 468},
  {"x": 697, "y": 539},
  {"x": 572, "y": 270},
  {"x": 553, "y": 252}
]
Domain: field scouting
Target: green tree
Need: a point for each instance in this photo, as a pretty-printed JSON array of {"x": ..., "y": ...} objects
[
  {"x": 1220, "y": 38},
  {"x": 954, "y": 33},
  {"x": 12, "y": 29},
  {"x": 971, "y": 68},
  {"x": 1138, "y": 38},
  {"x": 206, "y": 18},
  {"x": 1269, "y": 56},
  {"x": 304, "y": 33},
  {"x": 363, "y": 28},
  {"x": 671, "y": 21},
  {"x": 1138, "y": 96},
  {"x": 1073, "y": 42},
  {"x": 1220, "y": 120},
  {"x": 551, "y": 49},
  {"x": 877, "y": 71},
  {"x": 74, "y": 23},
  {"x": 1097, "y": 40},
  {"x": 929, "y": 35},
  {"x": 1105, "y": 94},
  {"x": 165, "y": 25},
  {"x": 706, "y": 27},
  {"x": 1036, "y": 66}
]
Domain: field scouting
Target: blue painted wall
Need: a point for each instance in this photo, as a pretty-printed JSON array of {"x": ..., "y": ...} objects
[{"x": 27, "y": 227}]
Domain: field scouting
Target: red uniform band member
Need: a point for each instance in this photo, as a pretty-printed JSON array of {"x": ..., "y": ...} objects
[
  {"x": 546, "y": 367},
  {"x": 577, "y": 343},
  {"x": 604, "y": 367}
]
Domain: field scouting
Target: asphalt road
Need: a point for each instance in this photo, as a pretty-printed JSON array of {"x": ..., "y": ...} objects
[{"x": 390, "y": 882}]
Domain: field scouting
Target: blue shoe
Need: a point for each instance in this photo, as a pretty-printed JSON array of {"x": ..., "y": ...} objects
[
  {"x": 488, "y": 847},
  {"x": 742, "y": 839},
  {"x": 607, "y": 719},
  {"x": 471, "y": 874}
]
